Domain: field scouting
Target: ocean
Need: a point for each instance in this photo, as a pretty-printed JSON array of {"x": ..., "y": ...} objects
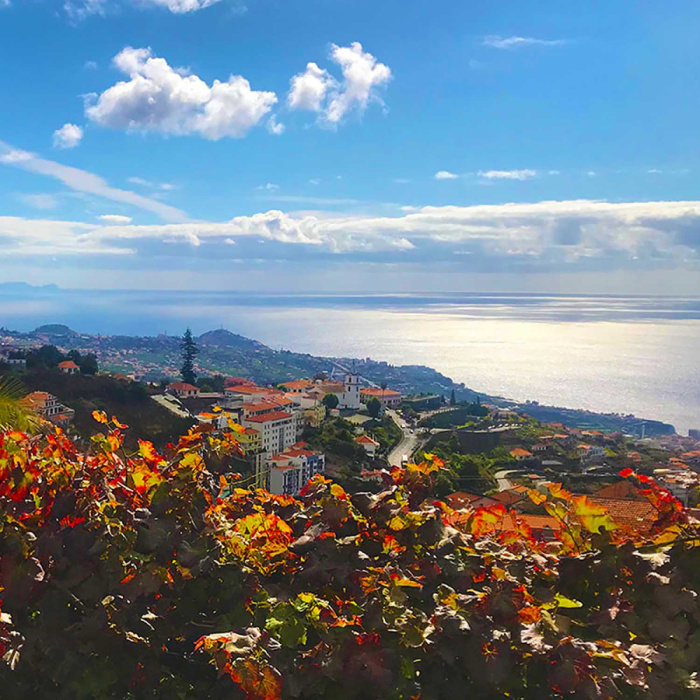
[{"x": 603, "y": 353}]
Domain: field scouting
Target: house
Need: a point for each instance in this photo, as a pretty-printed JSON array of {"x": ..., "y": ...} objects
[
  {"x": 540, "y": 447},
  {"x": 183, "y": 390},
  {"x": 461, "y": 500},
  {"x": 590, "y": 453},
  {"x": 47, "y": 406},
  {"x": 387, "y": 397},
  {"x": 278, "y": 430},
  {"x": 314, "y": 415},
  {"x": 290, "y": 470},
  {"x": 249, "y": 440},
  {"x": 369, "y": 445},
  {"x": 628, "y": 511},
  {"x": 43, "y": 404},
  {"x": 218, "y": 420},
  {"x": 68, "y": 367},
  {"x": 236, "y": 381},
  {"x": 520, "y": 455},
  {"x": 299, "y": 386}
]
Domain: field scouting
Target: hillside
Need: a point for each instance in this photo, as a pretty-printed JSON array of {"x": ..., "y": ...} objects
[
  {"x": 153, "y": 358},
  {"x": 130, "y": 402}
]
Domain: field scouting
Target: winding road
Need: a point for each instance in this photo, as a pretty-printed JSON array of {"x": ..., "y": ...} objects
[{"x": 408, "y": 444}]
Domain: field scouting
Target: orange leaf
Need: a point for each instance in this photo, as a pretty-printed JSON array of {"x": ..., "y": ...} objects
[{"x": 100, "y": 417}]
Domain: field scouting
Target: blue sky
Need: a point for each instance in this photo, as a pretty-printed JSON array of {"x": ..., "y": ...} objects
[{"x": 303, "y": 145}]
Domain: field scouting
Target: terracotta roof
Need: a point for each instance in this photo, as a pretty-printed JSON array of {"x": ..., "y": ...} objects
[
  {"x": 260, "y": 406},
  {"x": 510, "y": 496},
  {"x": 520, "y": 452},
  {"x": 182, "y": 386},
  {"x": 366, "y": 440},
  {"x": 269, "y": 417},
  {"x": 251, "y": 431},
  {"x": 627, "y": 511},
  {"x": 298, "y": 384},
  {"x": 233, "y": 381},
  {"x": 620, "y": 489},
  {"x": 461, "y": 499},
  {"x": 68, "y": 364},
  {"x": 379, "y": 393}
]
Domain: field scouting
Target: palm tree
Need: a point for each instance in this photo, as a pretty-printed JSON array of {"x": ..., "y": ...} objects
[{"x": 13, "y": 414}]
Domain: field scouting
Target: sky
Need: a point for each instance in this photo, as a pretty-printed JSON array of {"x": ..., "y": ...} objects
[{"x": 351, "y": 145}]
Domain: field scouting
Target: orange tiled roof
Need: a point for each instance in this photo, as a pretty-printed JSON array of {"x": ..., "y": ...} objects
[
  {"x": 620, "y": 489},
  {"x": 379, "y": 393},
  {"x": 68, "y": 364},
  {"x": 269, "y": 417},
  {"x": 520, "y": 452},
  {"x": 182, "y": 386},
  {"x": 627, "y": 511},
  {"x": 461, "y": 499},
  {"x": 298, "y": 384},
  {"x": 366, "y": 440}
]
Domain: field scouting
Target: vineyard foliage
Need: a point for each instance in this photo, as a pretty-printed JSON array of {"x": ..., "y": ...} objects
[{"x": 153, "y": 575}]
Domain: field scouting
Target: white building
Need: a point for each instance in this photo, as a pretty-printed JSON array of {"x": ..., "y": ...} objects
[
  {"x": 291, "y": 470},
  {"x": 350, "y": 398},
  {"x": 278, "y": 430},
  {"x": 369, "y": 445}
]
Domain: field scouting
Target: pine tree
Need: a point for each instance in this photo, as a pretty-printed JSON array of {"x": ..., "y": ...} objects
[
  {"x": 189, "y": 351},
  {"x": 453, "y": 398}
]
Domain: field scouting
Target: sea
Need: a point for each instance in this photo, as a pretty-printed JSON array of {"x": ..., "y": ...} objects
[{"x": 611, "y": 354}]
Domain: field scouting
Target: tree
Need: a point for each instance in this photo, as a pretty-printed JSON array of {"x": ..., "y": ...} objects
[
  {"x": 189, "y": 351},
  {"x": 374, "y": 407},
  {"x": 453, "y": 398},
  {"x": 46, "y": 357},
  {"x": 330, "y": 401},
  {"x": 88, "y": 364}
]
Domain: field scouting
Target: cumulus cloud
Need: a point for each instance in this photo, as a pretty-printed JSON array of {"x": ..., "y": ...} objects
[
  {"x": 445, "y": 175},
  {"x": 84, "y": 181},
  {"x": 547, "y": 236},
  {"x": 507, "y": 174},
  {"x": 318, "y": 91},
  {"x": 68, "y": 136},
  {"x": 115, "y": 219},
  {"x": 518, "y": 42},
  {"x": 159, "y": 98}
]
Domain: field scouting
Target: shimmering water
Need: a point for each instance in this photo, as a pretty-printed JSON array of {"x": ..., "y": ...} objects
[{"x": 611, "y": 354}]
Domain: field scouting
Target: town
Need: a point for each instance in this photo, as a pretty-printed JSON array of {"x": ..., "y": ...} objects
[{"x": 343, "y": 425}]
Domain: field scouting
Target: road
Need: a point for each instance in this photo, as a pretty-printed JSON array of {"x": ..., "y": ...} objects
[
  {"x": 409, "y": 442},
  {"x": 503, "y": 483}
]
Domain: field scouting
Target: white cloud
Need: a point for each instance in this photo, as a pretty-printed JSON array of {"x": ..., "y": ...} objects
[
  {"x": 90, "y": 65},
  {"x": 269, "y": 186},
  {"x": 182, "y": 6},
  {"x": 507, "y": 174},
  {"x": 142, "y": 182},
  {"x": 519, "y": 42},
  {"x": 308, "y": 89},
  {"x": 549, "y": 233},
  {"x": 40, "y": 201},
  {"x": 274, "y": 127},
  {"x": 5, "y": 3},
  {"x": 314, "y": 181},
  {"x": 318, "y": 91},
  {"x": 445, "y": 175},
  {"x": 162, "y": 99},
  {"x": 68, "y": 136},
  {"x": 84, "y": 181},
  {"x": 78, "y": 10},
  {"x": 115, "y": 219}
]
